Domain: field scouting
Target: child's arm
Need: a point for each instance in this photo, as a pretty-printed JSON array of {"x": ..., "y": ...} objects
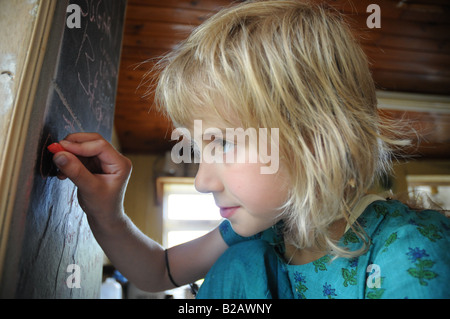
[
  {"x": 142, "y": 260},
  {"x": 101, "y": 190}
]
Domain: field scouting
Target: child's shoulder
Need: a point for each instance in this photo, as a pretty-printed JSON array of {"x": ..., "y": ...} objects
[
  {"x": 410, "y": 248},
  {"x": 386, "y": 217},
  {"x": 392, "y": 224}
]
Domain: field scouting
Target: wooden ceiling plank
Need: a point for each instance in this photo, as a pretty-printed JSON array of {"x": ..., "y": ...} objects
[
  {"x": 404, "y": 28},
  {"x": 207, "y": 5},
  {"x": 157, "y": 29},
  {"x": 410, "y": 82},
  {"x": 162, "y": 14}
]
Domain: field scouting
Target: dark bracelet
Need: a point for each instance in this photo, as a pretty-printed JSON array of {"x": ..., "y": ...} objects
[{"x": 168, "y": 270}]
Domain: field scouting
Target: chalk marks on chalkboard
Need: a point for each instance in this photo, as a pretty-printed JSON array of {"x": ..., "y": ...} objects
[
  {"x": 85, "y": 84},
  {"x": 49, "y": 135},
  {"x": 67, "y": 106},
  {"x": 96, "y": 68},
  {"x": 95, "y": 13}
]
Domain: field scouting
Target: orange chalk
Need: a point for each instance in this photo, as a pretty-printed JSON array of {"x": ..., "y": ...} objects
[{"x": 55, "y": 148}]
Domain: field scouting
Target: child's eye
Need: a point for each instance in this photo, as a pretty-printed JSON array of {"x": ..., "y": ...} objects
[{"x": 226, "y": 146}]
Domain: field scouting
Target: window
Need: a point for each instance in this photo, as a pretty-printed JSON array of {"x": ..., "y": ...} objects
[{"x": 187, "y": 214}]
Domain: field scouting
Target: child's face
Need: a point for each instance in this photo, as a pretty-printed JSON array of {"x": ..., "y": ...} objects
[{"x": 246, "y": 197}]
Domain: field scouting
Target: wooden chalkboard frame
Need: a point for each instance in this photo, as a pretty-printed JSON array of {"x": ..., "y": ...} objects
[{"x": 16, "y": 138}]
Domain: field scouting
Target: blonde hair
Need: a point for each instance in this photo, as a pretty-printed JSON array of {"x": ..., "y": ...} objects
[{"x": 293, "y": 66}]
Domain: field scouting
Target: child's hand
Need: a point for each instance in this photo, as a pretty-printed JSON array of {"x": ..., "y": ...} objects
[{"x": 100, "y": 172}]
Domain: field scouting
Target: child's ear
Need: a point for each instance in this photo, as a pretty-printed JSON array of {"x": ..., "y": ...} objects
[{"x": 352, "y": 183}]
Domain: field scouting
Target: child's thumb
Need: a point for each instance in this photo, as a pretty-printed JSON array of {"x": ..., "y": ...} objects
[{"x": 70, "y": 166}]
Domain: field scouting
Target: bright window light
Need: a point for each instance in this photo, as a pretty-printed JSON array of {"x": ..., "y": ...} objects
[
  {"x": 192, "y": 207},
  {"x": 439, "y": 195},
  {"x": 187, "y": 214}
]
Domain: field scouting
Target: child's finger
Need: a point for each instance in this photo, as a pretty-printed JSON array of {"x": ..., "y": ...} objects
[
  {"x": 105, "y": 155},
  {"x": 82, "y": 137},
  {"x": 88, "y": 148},
  {"x": 70, "y": 166}
]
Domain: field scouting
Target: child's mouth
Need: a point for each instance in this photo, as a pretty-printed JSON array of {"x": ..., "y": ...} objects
[{"x": 227, "y": 212}]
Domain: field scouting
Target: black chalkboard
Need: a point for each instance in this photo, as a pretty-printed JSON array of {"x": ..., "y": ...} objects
[{"x": 52, "y": 252}]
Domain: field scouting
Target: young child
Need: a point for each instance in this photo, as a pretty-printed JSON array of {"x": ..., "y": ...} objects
[{"x": 308, "y": 230}]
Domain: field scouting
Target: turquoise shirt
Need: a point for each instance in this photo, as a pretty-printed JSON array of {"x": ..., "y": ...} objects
[{"x": 409, "y": 258}]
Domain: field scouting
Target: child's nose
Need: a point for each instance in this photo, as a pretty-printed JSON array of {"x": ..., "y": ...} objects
[{"x": 207, "y": 179}]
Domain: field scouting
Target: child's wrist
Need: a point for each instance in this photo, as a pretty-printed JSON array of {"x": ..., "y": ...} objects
[{"x": 107, "y": 224}]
